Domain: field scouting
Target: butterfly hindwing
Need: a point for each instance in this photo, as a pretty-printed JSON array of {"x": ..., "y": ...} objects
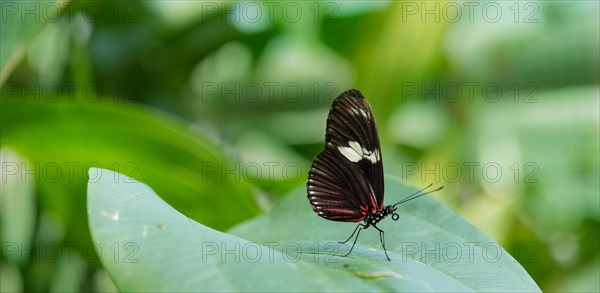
[
  {"x": 346, "y": 179},
  {"x": 337, "y": 188}
]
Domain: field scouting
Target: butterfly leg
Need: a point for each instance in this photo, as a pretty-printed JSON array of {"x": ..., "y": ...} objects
[
  {"x": 382, "y": 239},
  {"x": 361, "y": 226},
  {"x": 358, "y": 228}
]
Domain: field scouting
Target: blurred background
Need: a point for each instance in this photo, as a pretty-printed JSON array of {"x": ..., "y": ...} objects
[{"x": 221, "y": 106}]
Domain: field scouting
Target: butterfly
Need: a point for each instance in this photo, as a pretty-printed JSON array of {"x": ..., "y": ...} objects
[{"x": 345, "y": 181}]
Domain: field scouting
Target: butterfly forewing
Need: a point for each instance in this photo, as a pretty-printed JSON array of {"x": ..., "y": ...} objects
[{"x": 346, "y": 179}]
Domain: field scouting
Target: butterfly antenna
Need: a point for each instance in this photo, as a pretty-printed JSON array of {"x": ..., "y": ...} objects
[{"x": 417, "y": 194}]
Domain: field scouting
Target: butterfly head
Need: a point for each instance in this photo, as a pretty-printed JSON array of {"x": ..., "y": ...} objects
[{"x": 391, "y": 210}]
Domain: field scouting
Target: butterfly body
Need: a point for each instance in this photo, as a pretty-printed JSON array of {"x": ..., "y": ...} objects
[
  {"x": 376, "y": 217},
  {"x": 345, "y": 181}
]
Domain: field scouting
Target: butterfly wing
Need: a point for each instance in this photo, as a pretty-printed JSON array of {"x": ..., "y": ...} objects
[{"x": 345, "y": 181}]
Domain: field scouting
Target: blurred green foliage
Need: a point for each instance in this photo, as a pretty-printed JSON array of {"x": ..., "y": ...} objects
[{"x": 221, "y": 106}]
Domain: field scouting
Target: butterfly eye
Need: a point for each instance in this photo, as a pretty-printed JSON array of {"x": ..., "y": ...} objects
[{"x": 395, "y": 217}]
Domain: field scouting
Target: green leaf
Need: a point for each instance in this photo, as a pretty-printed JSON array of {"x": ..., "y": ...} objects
[
  {"x": 17, "y": 206},
  {"x": 63, "y": 136},
  {"x": 429, "y": 245},
  {"x": 21, "y": 22},
  {"x": 147, "y": 245}
]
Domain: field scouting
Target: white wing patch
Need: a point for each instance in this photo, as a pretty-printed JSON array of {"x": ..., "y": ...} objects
[
  {"x": 364, "y": 113},
  {"x": 354, "y": 153},
  {"x": 374, "y": 157},
  {"x": 360, "y": 111}
]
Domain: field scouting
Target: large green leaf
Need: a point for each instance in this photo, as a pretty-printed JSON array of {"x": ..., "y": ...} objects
[
  {"x": 290, "y": 248},
  {"x": 63, "y": 139}
]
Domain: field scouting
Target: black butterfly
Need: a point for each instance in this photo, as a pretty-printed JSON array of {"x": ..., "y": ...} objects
[{"x": 345, "y": 181}]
